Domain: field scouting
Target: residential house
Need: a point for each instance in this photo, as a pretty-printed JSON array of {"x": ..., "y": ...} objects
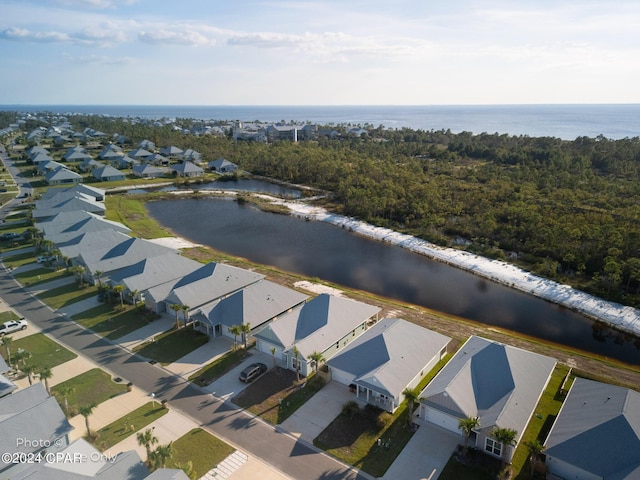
[
  {"x": 44, "y": 167},
  {"x": 124, "y": 162},
  {"x": 222, "y": 165},
  {"x": 146, "y": 171},
  {"x": 89, "y": 164},
  {"x": 282, "y": 132},
  {"x": 111, "y": 151},
  {"x": 120, "y": 255},
  {"x": 17, "y": 414},
  {"x": 187, "y": 169},
  {"x": 210, "y": 282},
  {"x": 107, "y": 174},
  {"x": 147, "y": 145},
  {"x": 62, "y": 193},
  {"x": 192, "y": 156},
  {"x": 66, "y": 226},
  {"x": 255, "y": 305},
  {"x": 75, "y": 154},
  {"x": 498, "y": 384},
  {"x": 40, "y": 157},
  {"x": 140, "y": 154},
  {"x": 66, "y": 202},
  {"x": 596, "y": 434},
  {"x": 153, "y": 271},
  {"x": 326, "y": 324},
  {"x": 158, "y": 160},
  {"x": 388, "y": 358},
  {"x": 171, "y": 151},
  {"x": 62, "y": 176},
  {"x": 87, "y": 241}
]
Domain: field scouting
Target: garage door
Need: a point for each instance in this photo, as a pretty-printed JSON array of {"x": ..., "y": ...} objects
[
  {"x": 442, "y": 420},
  {"x": 341, "y": 376}
]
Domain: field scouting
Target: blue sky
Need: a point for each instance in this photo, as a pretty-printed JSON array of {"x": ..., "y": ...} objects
[{"x": 324, "y": 52}]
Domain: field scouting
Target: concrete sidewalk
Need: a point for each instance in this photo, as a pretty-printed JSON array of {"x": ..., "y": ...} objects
[
  {"x": 318, "y": 412},
  {"x": 108, "y": 412},
  {"x": 425, "y": 455},
  {"x": 194, "y": 361},
  {"x": 44, "y": 287},
  {"x": 81, "y": 306},
  {"x": 131, "y": 340}
]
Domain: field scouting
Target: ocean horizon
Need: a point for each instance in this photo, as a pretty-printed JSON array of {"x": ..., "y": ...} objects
[{"x": 565, "y": 121}]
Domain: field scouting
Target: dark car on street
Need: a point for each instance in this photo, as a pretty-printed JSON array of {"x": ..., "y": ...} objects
[{"x": 252, "y": 372}]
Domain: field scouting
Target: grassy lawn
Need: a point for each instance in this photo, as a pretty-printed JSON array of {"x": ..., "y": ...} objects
[
  {"x": 15, "y": 261},
  {"x": 275, "y": 396},
  {"x": 219, "y": 367},
  {"x": 132, "y": 213},
  {"x": 122, "y": 428},
  {"x": 67, "y": 294},
  {"x": 541, "y": 422},
  {"x": 40, "y": 275},
  {"x": 454, "y": 470},
  {"x": 94, "y": 386},
  {"x": 202, "y": 449},
  {"x": 354, "y": 439},
  {"x": 44, "y": 351},
  {"x": 110, "y": 321},
  {"x": 8, "y": 315},
  {"x": 172, "y": 345}
]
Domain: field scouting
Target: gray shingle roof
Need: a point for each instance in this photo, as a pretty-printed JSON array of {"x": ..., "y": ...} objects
[
  {"x": 17, "y": 414},
  {"x": 598, "y": 430},
  {"x": 389, "y": 355},
  {"x": 318, "y": 324},
  {"x": 254, "y": 305},
  {"x": 497, "y": 383},
  {"x": 153, "y": 271}
]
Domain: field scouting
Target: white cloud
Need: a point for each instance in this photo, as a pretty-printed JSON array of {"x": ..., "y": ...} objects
[
  {"x": 187, "y": 37},
  {"x": 97, "y": 60},
  {"x": 89, "y": 36},
  {"x": 101, "y": 4}
]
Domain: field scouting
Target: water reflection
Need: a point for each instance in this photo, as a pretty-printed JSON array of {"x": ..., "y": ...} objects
[
  {"x": 317, "y": 249},
  {"x": 241, "y": 185}
]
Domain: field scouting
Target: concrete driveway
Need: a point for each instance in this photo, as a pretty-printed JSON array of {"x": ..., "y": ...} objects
[
  {"x": 228, "y": 385},
  {"x": 426, "y": 454},
  {"x": 194, "y": 361},
  {"x": 317, "y": 413}
]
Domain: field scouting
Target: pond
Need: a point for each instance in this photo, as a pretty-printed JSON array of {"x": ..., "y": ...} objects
[
  {"x": 241, "y": 185},
  {"x": 317, "y": 249}
]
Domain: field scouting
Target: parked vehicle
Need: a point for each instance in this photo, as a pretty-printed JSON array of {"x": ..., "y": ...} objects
[
  {"x": 45, "y": 259},
  {"x": 9, "y": 236},
  {"x": 13, "y": 326},
  {"x": 252, "y": 372}
]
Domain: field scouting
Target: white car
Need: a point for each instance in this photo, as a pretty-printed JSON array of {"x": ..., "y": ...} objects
[
  {"x": 45, "y": 259},
  {"x": 13, "y": 326}
]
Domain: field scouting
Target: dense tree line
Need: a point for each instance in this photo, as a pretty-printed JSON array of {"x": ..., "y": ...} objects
[{"x": 567, "y": 210}]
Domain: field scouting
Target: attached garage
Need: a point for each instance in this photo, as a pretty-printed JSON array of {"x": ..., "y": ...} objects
[
  {"x": 340, "y": 376},
  {"x": 440, "y": 419}
]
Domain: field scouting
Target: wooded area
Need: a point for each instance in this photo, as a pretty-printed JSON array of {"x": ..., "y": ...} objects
[{"x": 567, "y": 210}]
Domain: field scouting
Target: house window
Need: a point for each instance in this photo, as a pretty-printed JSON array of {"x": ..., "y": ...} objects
[
  {"x": 294, "y": 363},
  {"x": 493, "y": 447}
]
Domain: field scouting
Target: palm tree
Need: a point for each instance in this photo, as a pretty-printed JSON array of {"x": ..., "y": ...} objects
[
  {"x": 56, "y": 253},
  {"x": 176, "y": 308},
  {"x": 187, "y": 468},
  {"x": 134, "y": 296},
  {"x": 147, "y": 439},
  {"x": 79, "y": 271},
  {"x": 6, "y": 343},
  {"x": 246, "y": 330},
  {"x": 235, "y": 330},
  {"x": 411, "y": 395},
  {"x": 98, "y": 276},
  {"x": 273, "y": 351},
  {"x": 65, "y": 392},
  {"x": 119, "y": 289},
  {"x": 45, "y": 375},
  {"x": 317, "y": 358},
  {"x": 85, "y": 411},
  {"x": 535, "y": 449},
  {"x": 19, "y": 358},
  {"x": 28, "y": 370},
  {"x": 467, "y": 425},
  {"x": 160, "y": 455},
  {"x": 505, "y": 436},
  {"x": 296, "y": 352},
  {"x": 185, "y": 313}
]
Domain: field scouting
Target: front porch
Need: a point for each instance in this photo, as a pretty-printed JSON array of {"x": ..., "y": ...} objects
[{"x": 373, "y": 397}]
